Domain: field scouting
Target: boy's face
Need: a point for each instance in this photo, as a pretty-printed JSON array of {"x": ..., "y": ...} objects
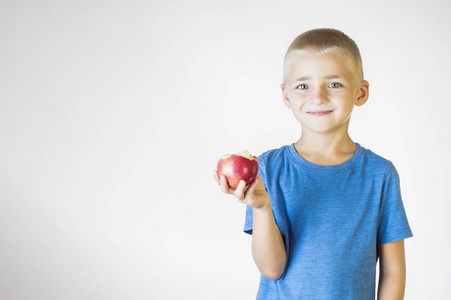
[{"x": 321, "y": 91}]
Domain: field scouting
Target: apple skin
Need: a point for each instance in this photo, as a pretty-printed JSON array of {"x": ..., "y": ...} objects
[{"x": 236, "y": 168}]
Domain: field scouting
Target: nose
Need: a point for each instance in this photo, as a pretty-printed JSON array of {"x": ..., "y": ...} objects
[{"x": 318, "y": 96}]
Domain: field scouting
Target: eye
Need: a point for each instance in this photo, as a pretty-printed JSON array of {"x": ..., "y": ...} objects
[
  {"x": 302, "y": 87},
  {"x": 335, "y": 85}
]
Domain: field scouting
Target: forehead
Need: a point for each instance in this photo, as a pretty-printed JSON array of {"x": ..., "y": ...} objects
[{"x": 306, "y": 63}]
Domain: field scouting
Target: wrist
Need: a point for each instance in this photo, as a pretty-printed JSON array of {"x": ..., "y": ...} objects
[{"x": 264, "y": 207}]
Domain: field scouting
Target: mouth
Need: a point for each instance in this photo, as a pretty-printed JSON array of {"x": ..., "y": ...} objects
[{"x": 319, "y": 113}]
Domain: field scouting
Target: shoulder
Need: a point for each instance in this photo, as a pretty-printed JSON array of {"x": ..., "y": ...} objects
[
  {"x": 376, "y": 164},
  {"x": 273, "y": 161},
  {"x": 274, "y": 154}
]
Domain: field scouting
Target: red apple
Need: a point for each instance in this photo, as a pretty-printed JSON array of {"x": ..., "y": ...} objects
[{"x": 238, "y": 166}]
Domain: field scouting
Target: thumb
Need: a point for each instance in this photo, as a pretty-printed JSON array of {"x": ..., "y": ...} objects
[{"x": 251, "y": 188}]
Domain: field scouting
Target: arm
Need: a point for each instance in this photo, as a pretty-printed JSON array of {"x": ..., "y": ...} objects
[
  {"x": 268, "y": 249},
  {"x": 392, "y": 271}
]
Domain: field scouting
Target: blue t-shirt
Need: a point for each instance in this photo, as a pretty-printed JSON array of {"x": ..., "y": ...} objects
[{"x": 331, "y": 218}]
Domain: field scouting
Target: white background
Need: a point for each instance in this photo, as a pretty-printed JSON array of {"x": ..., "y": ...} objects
[{"x": 113, "y": 115}]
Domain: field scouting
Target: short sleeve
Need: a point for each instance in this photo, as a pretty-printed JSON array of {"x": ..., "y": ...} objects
[
  {"x": 249, "y": 220},
  {"x": 393, "y": 223}
]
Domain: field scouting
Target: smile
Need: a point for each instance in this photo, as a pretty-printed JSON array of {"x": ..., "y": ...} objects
[{"x": 319, "y": 113}]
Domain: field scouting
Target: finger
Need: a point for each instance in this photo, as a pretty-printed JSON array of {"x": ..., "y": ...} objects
[
  {"x": 251, "y": 188},
  {"x": 239, "y": 192},
  {"x": 224, "y": 184},
  {"x": 216, "y": 177}
]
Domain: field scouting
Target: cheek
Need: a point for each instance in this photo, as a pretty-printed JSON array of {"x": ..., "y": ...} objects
[
  {"x": 296, "y": 104},
  {"x": 301, "y": 102},
  {"x": 299, "y": 99}
]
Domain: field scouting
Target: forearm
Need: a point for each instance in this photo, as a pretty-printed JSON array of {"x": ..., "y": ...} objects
[
  {"x": 392, "y": 285},
  {"x": 268, "y": 249}
]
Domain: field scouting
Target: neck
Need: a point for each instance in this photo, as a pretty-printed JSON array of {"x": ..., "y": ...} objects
[
  {"x": 325, "y": 149},
  {"x": 324, "y": 144}
]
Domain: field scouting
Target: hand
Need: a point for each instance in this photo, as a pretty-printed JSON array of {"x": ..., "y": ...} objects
[{"x": 254, "y": 195}]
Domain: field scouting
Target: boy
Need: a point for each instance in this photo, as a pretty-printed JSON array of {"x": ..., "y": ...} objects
[{"x": 324, "y": 209}]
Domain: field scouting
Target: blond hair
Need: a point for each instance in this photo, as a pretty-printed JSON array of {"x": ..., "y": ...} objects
[{"x": 324, "y": 41}]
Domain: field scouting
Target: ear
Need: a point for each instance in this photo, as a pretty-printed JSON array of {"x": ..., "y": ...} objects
[
  {"x": 285, "y": 96},
  {"x": 363, "y": 93}
]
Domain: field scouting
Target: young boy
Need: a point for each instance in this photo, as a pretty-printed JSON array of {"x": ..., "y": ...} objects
[{"x": 324, "y": 209}]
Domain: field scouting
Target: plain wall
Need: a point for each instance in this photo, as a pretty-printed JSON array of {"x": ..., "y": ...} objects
[{"x": 113, "y": 115}]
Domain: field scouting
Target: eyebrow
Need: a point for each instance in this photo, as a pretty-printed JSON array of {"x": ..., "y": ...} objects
[{"x": 325, "y": 77}]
